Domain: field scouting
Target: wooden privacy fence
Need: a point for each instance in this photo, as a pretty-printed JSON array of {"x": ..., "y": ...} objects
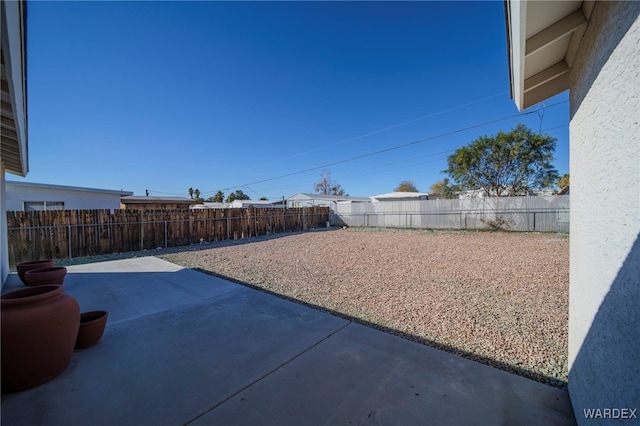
[{"x": 75, "y": 233}]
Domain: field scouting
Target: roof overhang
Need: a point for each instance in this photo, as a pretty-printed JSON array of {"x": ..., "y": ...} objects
[
  {"x": 13, "y": 85},
  {"x": 141, "y": 199},
  {"x": 17, "y": 185},
  {"x": 542, "y": 40}
]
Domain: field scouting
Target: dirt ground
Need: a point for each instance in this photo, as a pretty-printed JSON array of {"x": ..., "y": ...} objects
[{"x": 495, "y": 297}]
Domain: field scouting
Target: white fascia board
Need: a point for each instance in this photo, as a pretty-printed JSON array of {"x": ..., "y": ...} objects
[
  {"x": 517, "y": 21},
  {"x": 18, "y": 184}
]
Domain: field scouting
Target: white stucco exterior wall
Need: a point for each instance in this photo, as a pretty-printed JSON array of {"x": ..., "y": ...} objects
[
  {"x": 74, "y": 199},
  {"x": 604, "y": 303}
]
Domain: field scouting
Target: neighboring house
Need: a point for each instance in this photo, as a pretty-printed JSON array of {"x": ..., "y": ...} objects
[
  {"x": 481, "y": 193},
  {"x": 304, "y": 199},
  {"x": 141, "y": 202},
  {"x": 13, "y": 142},
  {"x": 264, "y": 204},
  {"x": 401, "y": 196},
  {"x": 545, "y": 192},
  {"x": 39, "y": 196},
  {"x": 237, "y": 204},
  {"x": 208, "y": 205},
  {"x": 592, "y": 49}
]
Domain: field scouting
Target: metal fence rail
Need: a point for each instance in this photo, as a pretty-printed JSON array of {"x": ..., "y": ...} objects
[
  {"x": 58, "y": 241},
  {"x": 540, "y": 214}
]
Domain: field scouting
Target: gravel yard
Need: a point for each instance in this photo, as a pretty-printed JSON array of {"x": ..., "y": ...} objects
[{"x": 499, "y": 298}]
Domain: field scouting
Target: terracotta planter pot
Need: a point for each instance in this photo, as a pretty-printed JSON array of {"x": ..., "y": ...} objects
[
  {"x": 44, "y": 276},
  {"x": 92, "y": 326},
  {"x": 39, "y": 330},
  {"x": 27, "y": 266}
]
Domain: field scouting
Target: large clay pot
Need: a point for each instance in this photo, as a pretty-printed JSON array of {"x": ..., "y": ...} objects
[
  {"x": 43, "y": 276},
  {"x": 92, "y": 326},
  {"x": 36, "y": 264},
  {"x": 39, "y": 330}
]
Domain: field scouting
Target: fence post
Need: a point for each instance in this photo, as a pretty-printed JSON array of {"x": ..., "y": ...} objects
[
  {"x": 165, "y": 234},
  {"x": 69, "y": 233},
  {"x": 141, "y": 236},
  {"x": 228, "y": 226}
]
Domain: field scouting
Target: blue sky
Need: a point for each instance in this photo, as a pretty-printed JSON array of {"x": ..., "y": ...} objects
[{"x": 233, "y": 95}]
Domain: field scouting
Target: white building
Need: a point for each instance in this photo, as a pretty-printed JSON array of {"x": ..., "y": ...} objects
[
  {"x": 304, "y": 199},
  {"x": 261, "y": 204},
  {"x": 591, "y": 48},
  {"x": 28, "y": 196},
  {"x": 402, "y": 196}
]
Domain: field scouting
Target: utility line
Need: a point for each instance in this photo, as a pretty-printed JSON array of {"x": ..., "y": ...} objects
[
  {"x": 393, "y": 148},
  {"x": 378, "y": 166},
  {"x": 375, "y": 132}
]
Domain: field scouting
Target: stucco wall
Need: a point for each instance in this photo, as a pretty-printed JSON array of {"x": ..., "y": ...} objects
[
  {"x": 604, "y": 304},
  {"x": 17, "y": 194}
]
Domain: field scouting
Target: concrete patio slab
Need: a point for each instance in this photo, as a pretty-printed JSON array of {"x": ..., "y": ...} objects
[
  {"x": 170, "y": 367},
  {"x": 132, "y": 288},
  {"x": 183, "y": 347},
  {"x": 362, "y": 376}
]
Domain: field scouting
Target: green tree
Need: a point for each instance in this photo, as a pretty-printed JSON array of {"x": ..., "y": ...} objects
[
  {"x": 218, "y": 198},
  {"x": 238, "y": 195},
  {"x": 563, "y": 181},
  {"x": 444, "y": 189},
  {"x": 263, "y": 199},
  {"x": 326, "y": 186},
  {"x": 194, "y": 194},
  {"x": 507, "y": 164},
  {"x": 406, "y": 186}
]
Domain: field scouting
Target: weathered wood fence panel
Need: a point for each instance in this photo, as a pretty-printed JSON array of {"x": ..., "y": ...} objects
[{"x": 60, "y": 234}]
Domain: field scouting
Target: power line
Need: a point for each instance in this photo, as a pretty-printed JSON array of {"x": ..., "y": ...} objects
[
  {"x": 375, "y": 132},
  {"x": 378, "y": 167},
  {"x": 393, "y": 148}
]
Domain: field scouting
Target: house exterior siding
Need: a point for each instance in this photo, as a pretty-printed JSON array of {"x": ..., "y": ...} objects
[
  {"x": 137, "y": 202},
  {"x": 604, "y": 315},
  {"x": 74, "y": 198}
]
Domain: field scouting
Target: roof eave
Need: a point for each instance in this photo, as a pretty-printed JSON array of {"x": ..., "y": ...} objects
[
  {"x": 516, "y": 16},
  {"x": 542, "y": 40},
  {"x": 14, "y": 146}
]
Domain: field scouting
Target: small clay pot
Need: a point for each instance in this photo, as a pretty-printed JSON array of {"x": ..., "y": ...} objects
[
  {"x": 28, "y": 266},
  {"x": 92, "y": 326},
  {"x": 44, "y": 276}
]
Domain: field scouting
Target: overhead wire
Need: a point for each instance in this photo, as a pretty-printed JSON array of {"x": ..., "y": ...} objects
[
  {"x": 379, "y": 168},
  {"x": 393, "y": 148},
  {"x": 375, "y": 132}
]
